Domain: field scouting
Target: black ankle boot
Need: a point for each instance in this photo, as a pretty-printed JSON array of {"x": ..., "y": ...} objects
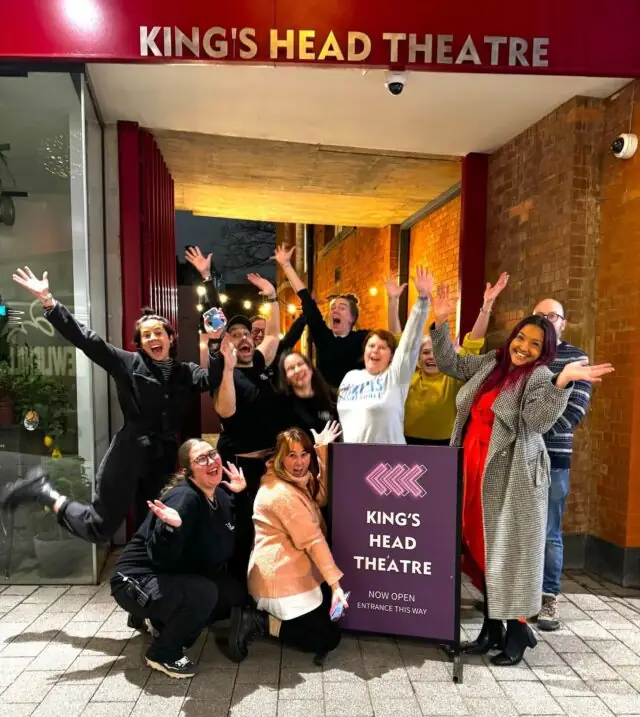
[
  {"x": 246, "y": 624},
  {"x": 34, "y": 488},
  {"x": 519, "y": 637},
  {"x": 492, "y": 637}
]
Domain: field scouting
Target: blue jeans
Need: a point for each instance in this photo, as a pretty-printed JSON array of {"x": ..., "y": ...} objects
[{"x": 553, "y": 553}]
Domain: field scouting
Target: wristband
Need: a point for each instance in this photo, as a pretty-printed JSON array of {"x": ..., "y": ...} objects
[
  {"x": 271, "y": 299},
  {"x": 485, "y": 311}
]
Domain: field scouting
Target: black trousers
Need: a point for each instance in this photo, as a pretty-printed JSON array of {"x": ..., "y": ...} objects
[
  {"x": 133, "y": 471},
  {"x": 313, "y": 632},
  {"x": 253, "y": 469},
  {"x": 181, "y": 606}
]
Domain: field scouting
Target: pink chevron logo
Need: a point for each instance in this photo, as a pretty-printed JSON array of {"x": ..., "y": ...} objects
[{"x": 399, "y": 480}]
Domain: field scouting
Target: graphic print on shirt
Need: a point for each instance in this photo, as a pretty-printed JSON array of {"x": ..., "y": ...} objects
[
  {"x": 372, "y": 390},
  {"x": 399, "y": 480}
]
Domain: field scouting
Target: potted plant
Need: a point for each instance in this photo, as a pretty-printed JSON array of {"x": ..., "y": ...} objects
[
  {"x": 7, "y": 395},
  {"x": 56, "y": 550}
]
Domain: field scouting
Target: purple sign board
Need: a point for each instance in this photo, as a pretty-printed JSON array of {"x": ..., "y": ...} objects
[{"x": 394, "y": 518}]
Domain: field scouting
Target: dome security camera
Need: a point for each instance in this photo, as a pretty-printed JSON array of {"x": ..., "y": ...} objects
[
  {"x": 395, "y": 82},
  {"x": 624, "y": 146}
]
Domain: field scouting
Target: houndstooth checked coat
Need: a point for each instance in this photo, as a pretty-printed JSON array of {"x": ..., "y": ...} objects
[{"x": 516, "y": 475}]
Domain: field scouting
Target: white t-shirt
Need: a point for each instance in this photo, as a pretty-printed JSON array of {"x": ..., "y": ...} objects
[
  {"x": 292, "y": 606},
  {"x": 371, "y": 408}
]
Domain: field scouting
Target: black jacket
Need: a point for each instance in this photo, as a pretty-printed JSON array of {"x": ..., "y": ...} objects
[
  {"x": 149, "y": 405},
  {"x": 200, "y": 546}
]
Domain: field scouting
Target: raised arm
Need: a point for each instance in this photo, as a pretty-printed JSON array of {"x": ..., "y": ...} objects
[
  {"x": 294, "y": 334},
  {"x": 112, "y": 359},
  {"x": 330, "y": 433},
  {"x": 491, "y": 293},
  {"x": 202, "y": 264},
  {"x": 547, "y": 396},
  {"x": 406, "y": 356},
  {"x": 394, "y": 292},
  {"x": 458, "y": 366},
  {"x": 318, "y": 328},
  {"x": 269, "y": 346},
  {"x": 225, "y": 396}
]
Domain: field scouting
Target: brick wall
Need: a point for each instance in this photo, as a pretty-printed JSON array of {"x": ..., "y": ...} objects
[
  {"x": 435, "y": 243},
  {"x": 364, "y": 260},
  {"x": 542, "y": 227},
  {"x": 615, "y": 418}
]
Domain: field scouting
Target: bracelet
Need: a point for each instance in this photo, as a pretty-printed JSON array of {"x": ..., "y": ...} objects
[
  {"x": 482, "y": 311},
  {"x": 271, "y": 299},
  {"x": 44, "y": 300}
]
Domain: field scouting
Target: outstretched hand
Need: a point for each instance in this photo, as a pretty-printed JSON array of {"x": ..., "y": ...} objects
[
  {"x": 582, "y": 371},
  {"x": 265, "y": 287},
  {"x": 491, "y": 293},
  {"x": 28, "y": 280},
  {"x": 442, "y": 304},
  {"x": 329, "y": 434},
  {"x": 393, "y": 290},
  {"x": 237, "y": 482},
  {"x": 167, "y": 515},
  {"x": 423, "y": 281},
  {"x": 283, "y": 254},
  {"x": 196, "y": 258}
]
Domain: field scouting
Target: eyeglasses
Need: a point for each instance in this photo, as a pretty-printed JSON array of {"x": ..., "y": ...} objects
[
  {"x": 551, "y": 316},
  {"x": 206, "y": 458}
]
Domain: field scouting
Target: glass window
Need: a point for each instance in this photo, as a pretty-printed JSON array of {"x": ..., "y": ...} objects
[{"x": 47, "y": 399}]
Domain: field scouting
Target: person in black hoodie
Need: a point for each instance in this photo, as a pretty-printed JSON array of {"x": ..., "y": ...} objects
[
  {"x": 306, "y": 399},
  {"x": 154, "y": 391},
  {"x": 339, "y": 347},
  {"x": 172, "y": 572}
]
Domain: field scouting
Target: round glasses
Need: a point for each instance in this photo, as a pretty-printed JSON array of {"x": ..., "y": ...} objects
[
  {"x": 551, "y": 316},
  {"x": 206, "y": 458}
]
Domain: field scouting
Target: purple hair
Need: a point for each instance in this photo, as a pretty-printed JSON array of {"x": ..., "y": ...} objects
[{"x": 503, "y": 371}]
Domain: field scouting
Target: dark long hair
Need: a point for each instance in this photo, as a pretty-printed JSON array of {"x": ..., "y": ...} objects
[
  {"x": 148, "y": 314},
  {"x": 319, "y": 386},
  {"x": 283, "y": 446},
  {"x": 503, "y": 371}
]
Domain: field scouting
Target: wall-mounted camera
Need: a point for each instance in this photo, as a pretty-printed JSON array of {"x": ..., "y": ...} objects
[
  {"x": 396, "y": 82},
  {"x": 624, "y": 146}
]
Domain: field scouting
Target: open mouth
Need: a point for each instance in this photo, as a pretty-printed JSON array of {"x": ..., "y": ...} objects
[
  {"x": 520, "y": 355},
  {"x": 213, "y": 471},
  {"x": 156, "y": 350},
  {"x": 336, "y": 321}
]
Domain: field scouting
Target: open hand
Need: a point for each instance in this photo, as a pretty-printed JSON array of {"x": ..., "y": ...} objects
[
  {"x": 283, "y": 255},
  {"x": 265, "y": 287},
  {"x": 195, "y": 257},
  {"x": 330, "y": 433},
  {"x": 423, "y": 281},
  {"x": 393, "y": 290},
  {"x": 236, "y": 482},
  {"x": 167, "y": 515},
  {"x": 27, "y": 279},
  {"x": 442, "y": 304},
  {"x": 491, "y": 293},
  {"x": 582, "y": 371}
]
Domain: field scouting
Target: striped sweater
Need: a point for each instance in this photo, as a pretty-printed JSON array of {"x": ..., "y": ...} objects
[{"x": 559, "y": 440}]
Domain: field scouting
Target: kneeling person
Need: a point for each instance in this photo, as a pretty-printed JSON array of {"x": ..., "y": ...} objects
[{"x": 172, "y": 572}]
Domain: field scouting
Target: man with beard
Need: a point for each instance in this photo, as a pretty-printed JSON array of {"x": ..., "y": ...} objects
[{"x": 245, "y": 402}]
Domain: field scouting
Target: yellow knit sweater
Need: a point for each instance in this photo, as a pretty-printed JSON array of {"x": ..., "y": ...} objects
[{"x": 430, "y": 408}]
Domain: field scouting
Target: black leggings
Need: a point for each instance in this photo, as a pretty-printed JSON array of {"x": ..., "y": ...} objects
[
  {"x": 313, "y": 632},
  {"x": 181, "y": 606},
  {"x": 131, "y": 473}
]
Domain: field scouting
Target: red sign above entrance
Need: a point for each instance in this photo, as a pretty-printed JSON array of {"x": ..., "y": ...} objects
[{"x": 571, "y": 37}]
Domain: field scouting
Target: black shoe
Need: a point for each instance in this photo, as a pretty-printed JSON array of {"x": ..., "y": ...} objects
[
  {"x": 135, "y": 623},
  {"x": 320, "y": 659},
  {"x": 245, "y": 625},
  {"x": 492, "y": 637},
  {"x": 35, "y": 488},
  {"x": 180, "y": 669},
  {"x": 517, "y": 642}
]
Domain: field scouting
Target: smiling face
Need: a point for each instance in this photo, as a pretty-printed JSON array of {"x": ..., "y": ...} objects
[
  {"x": 426, "y": 361},
  {"x": 377, "y": 355},
  {"x": 205, "y": 467},
  {"x": 243, "y": 343},
  {"x": 527, "y": 345},
  {"x": 297, "y": 460},
  {"x": 154, "y": 339},
  {"x": 258, "y": 327},
  {"x": 298, "y": 372},
  {"x": 340, "y": 317}
]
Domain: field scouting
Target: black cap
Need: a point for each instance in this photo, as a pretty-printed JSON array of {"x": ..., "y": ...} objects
[{"x": 241, "y": 320}]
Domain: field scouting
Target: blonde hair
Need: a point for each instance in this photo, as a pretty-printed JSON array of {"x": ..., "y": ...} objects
[{"x": 283, "y": 447}]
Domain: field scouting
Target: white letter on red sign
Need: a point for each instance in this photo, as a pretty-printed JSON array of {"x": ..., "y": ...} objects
[
  {"x": 275, "y": 44},
  {"x": 191, "y": 43},
  {"x": 426, "y": 48},
  {"x": 247, "y": 37},
  {"x": 148, "y": 41},
  {"x": 395, "y": 38},
  {"x": 495, "y": 41},
  {"x": 221, "y": 48},
  {"x": 353, "y": 54},
  {"x": 540, "y": 50},
  {"x": 468, "y": 53},
  {"x": 517, "y": 47}
]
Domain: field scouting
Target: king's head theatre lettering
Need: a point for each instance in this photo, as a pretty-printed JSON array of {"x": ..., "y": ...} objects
[{"x": 432, "y": 49}]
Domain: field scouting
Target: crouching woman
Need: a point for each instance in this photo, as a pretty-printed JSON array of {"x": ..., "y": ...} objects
[
  {"x": 292, "y": 575},
  {"x": 172, "y": 572}
]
